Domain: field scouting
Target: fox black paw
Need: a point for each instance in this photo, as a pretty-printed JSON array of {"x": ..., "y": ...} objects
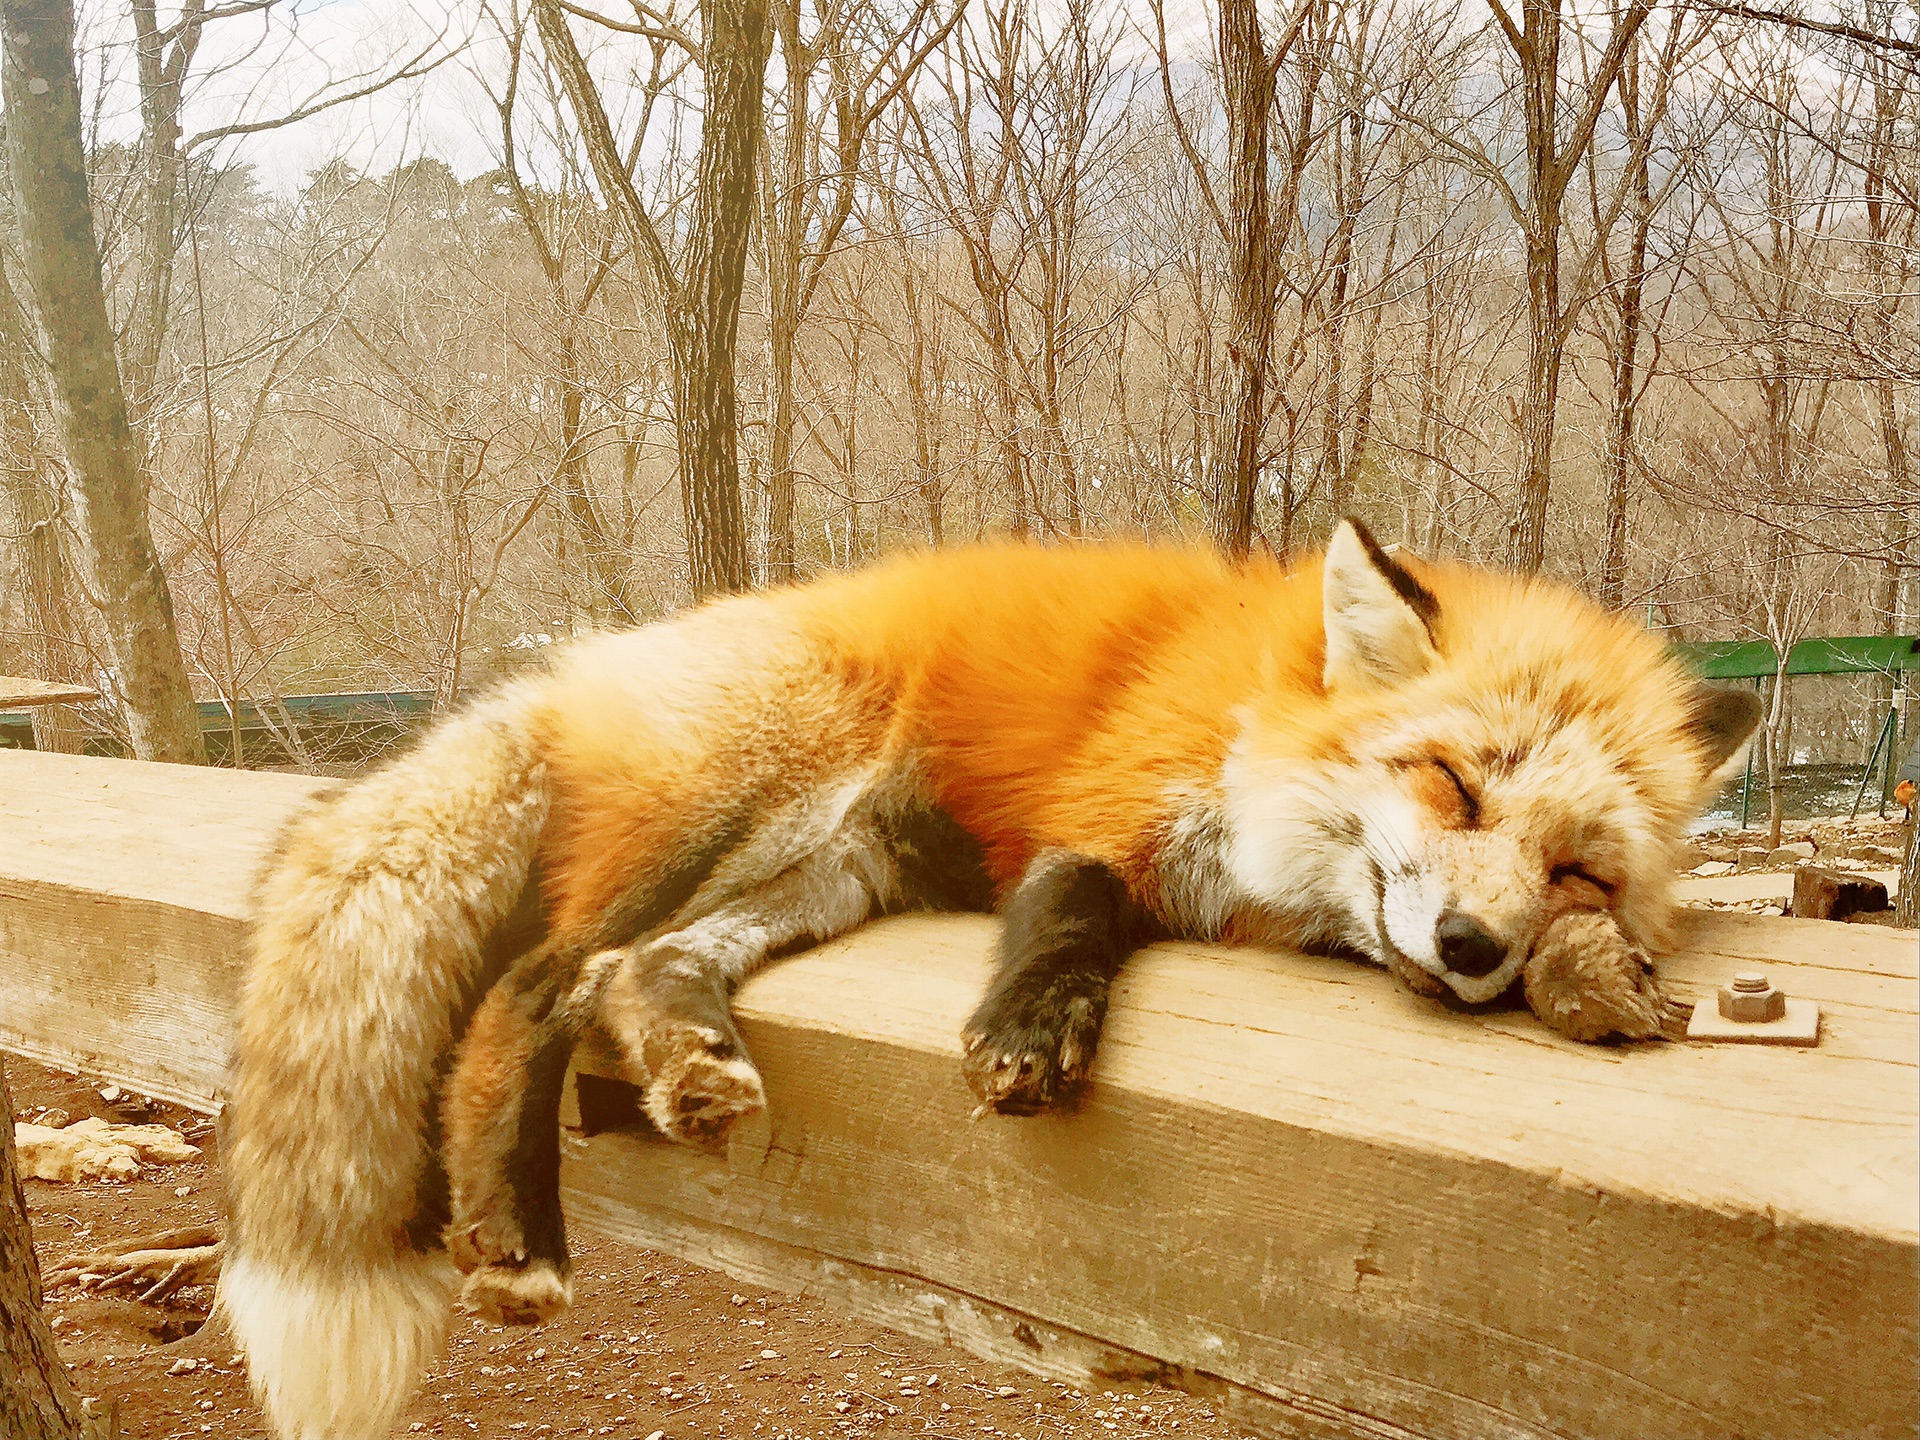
[{"x": 1022, "y": 1061}]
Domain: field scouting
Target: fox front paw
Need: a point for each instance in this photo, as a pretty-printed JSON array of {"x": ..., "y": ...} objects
[
  {"x": 1589, "y": 982},
  {"x": 699, "y": 1085},
  {"x": 1021, "y": 1059}
]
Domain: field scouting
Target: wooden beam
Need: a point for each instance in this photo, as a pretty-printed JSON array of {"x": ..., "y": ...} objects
[
  {"x": 1341, "y": 1210},
  {"x": 20, "y": 694},
  {"x": 123, "y": 902}
]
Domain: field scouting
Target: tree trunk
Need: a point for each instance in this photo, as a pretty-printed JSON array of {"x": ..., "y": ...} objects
[
  {"x": 37, "y": 1401},
  {"x": 1553, "y": 150},
  {"x": 1626, "y": 349},
  {"x": 782, "y": 564},
  {"x": 715, "y": 268},
  {"x": 1906, "y": 905},
  {"x": 1541, "y": 398},
  {"x": 784, "y": 239},
  {"x": 161, "y": 75},
  {"x": 1248, "y": 77},
  {"x": 700, "y": 289},
  {"x": 30, "y": 514},
  {"x": 609, "y": 570},
  {"x": 61, "y": 258}
]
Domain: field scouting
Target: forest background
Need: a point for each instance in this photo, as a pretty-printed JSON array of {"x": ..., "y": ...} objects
[{"x": 1626, "y": 293}]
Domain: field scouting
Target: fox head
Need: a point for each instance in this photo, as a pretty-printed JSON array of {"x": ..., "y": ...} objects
[{"x": 1488, "y": 753}]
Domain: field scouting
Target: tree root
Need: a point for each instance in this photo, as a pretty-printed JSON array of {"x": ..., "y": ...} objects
[{"x": 162, "y": 1263}]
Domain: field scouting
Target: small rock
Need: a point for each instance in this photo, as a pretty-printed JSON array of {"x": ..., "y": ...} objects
[
  {"x": 55, "y": 1120},
  {"x": 1712, "y": 868},
  {"x": 1751, "y": 859},
  {"x": 1006, "y": 1392},
  {"x": 109, "y": 1093},
  {"x": 739, "y": 1299},
  {"x": 658, "y": 1435},
  {"x": 180, "y": 1192},
  {"x": 769, "y": 1354},
  {"x": 183, "y": 1367},
  {"x": 1790, "y": 853},
  {"x": 95, "y": 1149}
]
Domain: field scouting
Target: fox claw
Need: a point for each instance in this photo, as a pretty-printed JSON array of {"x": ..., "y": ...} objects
[
  {"x": 1586, "y": 980},
  {"x": 696, "y": 1091},
  {"x": 1026, "y": 1066}
]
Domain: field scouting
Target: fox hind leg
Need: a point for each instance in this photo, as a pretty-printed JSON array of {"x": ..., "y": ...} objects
[
  {"x": 669, "y": 1003},
  {"x": 1066, "y": 930},
  {"x": 500, "y": 1116},
  {"x": 669, "y": 1000}
]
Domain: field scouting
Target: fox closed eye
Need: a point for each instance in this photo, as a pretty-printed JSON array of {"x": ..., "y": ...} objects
[
  {"x": 1469, "y": 801},
  {"x": 1560, "y": 874}
]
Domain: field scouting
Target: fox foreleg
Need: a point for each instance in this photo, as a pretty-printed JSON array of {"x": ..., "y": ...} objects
[
  {"x": 1065, "y": 932},
  {"x": 1587, "y": 980}
]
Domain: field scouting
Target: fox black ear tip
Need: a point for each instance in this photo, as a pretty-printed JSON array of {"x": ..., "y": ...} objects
[{"x": 1723, "y": 719}]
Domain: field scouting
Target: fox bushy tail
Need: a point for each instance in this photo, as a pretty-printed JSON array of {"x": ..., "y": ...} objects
[{"x": 371, "y": 941}]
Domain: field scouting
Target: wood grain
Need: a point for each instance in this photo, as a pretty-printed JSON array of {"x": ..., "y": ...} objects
[{"x": 1341, "y": 1210}]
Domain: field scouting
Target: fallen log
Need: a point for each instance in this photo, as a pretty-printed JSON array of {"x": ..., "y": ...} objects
[
  {"x": 1823, "y": 894},
  {"x": 1341, "y": 1210}
]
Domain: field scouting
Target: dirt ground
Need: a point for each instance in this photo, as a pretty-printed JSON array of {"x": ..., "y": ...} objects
[{"x": 654, "y": 1349}]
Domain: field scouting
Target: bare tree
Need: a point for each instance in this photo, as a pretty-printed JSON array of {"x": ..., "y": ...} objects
[
  {"x": 1554, "y": 148},
  {"x": 700, "y": 287},
  {"x": 61, "y": 259},
  {"x": 837, "y": 80}
]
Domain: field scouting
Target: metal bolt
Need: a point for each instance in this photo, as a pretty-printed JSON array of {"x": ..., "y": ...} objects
[{"x": 1751, "y": 999}]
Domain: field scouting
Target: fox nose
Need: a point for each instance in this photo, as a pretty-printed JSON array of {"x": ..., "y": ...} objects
[{"x": 1465, "y": 946}]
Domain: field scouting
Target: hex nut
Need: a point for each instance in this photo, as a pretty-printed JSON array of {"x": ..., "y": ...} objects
[{"x": 1751, "y": 999}]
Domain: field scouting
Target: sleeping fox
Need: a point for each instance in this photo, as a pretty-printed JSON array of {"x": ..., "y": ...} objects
[{"x": 1473, "y": 779}]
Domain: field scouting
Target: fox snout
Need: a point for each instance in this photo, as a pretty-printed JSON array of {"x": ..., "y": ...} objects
[
  {"x": 1466, "y": 947},
  {"x": 1467, "y": 910}
]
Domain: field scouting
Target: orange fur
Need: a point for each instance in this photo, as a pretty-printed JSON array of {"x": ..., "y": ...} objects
[{"x": 1054, "y": 697}]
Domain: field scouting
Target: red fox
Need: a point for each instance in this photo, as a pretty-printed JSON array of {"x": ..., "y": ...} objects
[{"x": 1473, "y": 779}]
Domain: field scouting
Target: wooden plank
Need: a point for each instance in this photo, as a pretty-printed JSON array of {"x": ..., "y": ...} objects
[
  {"x": 1341, "y": 1210},
  {"x": 123, "y": 896},
  {"x": 17, "y": 693}
]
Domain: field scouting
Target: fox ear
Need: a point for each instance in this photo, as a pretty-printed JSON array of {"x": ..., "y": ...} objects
[
  {"x": 1721, "y": 722},
  {"x": 1379, "y": 616}
]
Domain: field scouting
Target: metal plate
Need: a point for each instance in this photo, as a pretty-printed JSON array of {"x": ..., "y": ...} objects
[{"x": 1799, "y": 1026}]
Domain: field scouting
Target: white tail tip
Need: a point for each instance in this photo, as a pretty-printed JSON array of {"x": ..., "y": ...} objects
[{"x": 337, "y": 1357}]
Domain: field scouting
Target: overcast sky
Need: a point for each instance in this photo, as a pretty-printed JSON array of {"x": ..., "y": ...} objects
[{"x": 254, "y": 68}]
